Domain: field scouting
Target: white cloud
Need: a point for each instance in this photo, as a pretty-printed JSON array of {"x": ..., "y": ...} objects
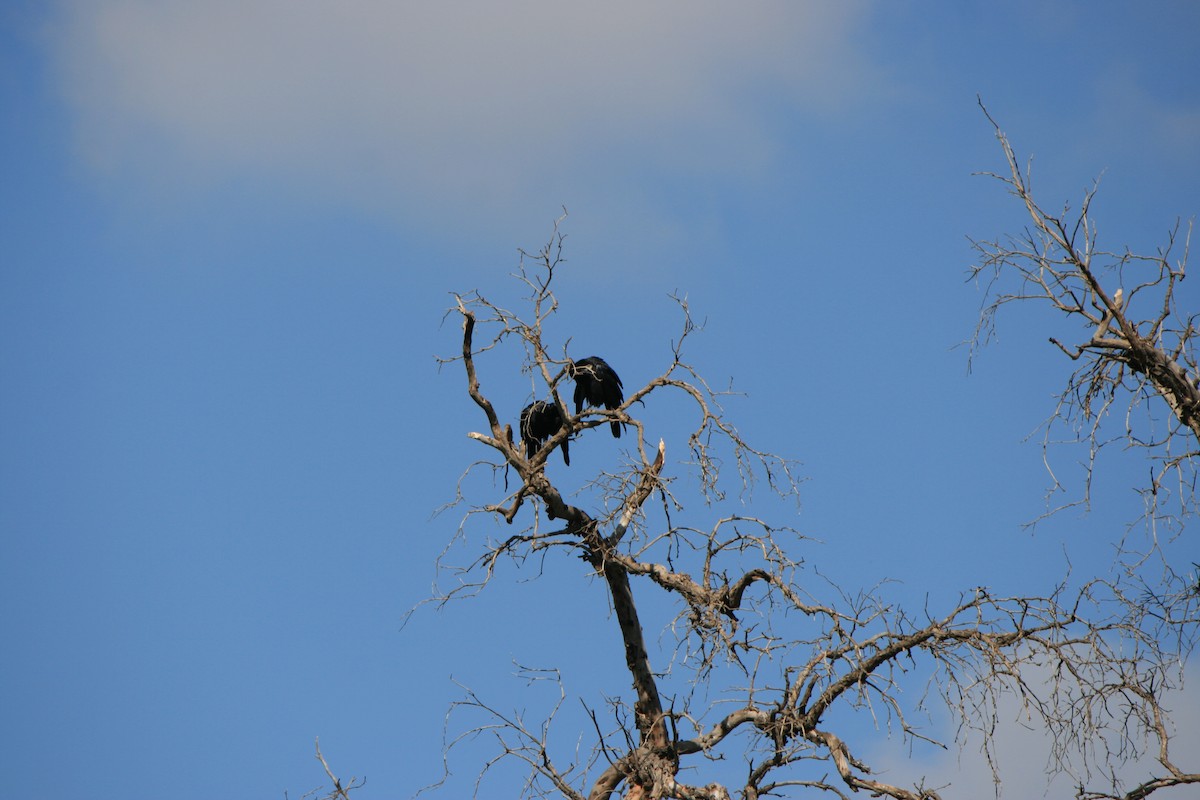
[
  {"x": 437, "y": 105},
  {"x": 1022, "y": 748}
]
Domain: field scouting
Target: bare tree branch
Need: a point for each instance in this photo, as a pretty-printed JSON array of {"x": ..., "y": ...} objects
[
  {"x": 751, "y": 626},
  {"x": 1135, "y": 346},
  {"x": 339, "y": 791}
]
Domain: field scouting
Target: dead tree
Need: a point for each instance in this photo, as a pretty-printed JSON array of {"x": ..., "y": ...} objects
[
  {"x": 1135, "y": 347},
  {"x": 767, "y": 658}
]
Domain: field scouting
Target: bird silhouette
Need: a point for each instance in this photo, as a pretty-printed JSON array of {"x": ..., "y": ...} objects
[
  {"x": 539, "y": 421},
  {"x": 598, "y": 384}
]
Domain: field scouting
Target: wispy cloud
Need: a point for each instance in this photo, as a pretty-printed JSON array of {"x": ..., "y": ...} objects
[
  {"x": 1024, "y": 752},
  {"x": 434, "y": 106}
]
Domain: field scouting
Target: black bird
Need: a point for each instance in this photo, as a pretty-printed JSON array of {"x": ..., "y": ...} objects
[
  {"x": 598, "y": 384},
  {"x": 539, "y": 421}
]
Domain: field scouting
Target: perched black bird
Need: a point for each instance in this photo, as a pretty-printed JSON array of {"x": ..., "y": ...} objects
[
  {"x": 598, "y": 384},
  {"x": 539, "y": 421}
]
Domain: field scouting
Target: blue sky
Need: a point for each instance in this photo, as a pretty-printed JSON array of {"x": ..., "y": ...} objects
[{"x": 229, "y": 232}]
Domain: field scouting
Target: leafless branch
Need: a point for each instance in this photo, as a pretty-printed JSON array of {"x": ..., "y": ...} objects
[
  {"x": 339, "y": 791},
  {"x": 1135, "y": 348},
  {"x": 786, "y": 652}
]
